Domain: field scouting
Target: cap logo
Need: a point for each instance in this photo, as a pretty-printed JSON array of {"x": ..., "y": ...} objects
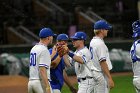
[{"x": 67, "y": 36}]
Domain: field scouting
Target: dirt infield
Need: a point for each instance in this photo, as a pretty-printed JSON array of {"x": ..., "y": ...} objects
[
  {"x": 13, "y": 84},
  {"x": 18, "y": 84}
]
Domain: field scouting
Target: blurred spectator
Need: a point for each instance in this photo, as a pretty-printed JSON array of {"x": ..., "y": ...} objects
[
  {"x": 89, "y": 10},
  {"x": 72, "y": 30},
  {"x": 11, "y": 63},
  {"x": 119, "y": 5}
]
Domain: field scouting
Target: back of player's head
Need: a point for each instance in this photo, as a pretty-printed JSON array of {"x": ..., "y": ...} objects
[
  {"x": 79, "y": 36},
  {"x": 61, "y": 37},
  {"x": 136, "y": 28},
  {"x": 46, "y": 32},
  {"x": 101, "y": 24}
]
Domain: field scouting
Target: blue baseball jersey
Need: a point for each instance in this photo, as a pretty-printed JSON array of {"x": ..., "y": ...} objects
[{"x": 56, "y": 74}]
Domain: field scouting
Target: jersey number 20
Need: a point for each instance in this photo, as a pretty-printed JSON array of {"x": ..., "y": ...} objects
[{"x": 33, "y": 59}]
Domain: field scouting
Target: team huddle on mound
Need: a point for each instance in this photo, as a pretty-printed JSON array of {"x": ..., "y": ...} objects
[{"x": 92, "y": 65}]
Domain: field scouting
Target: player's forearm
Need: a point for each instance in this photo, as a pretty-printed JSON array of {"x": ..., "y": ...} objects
[
  {"x": 105, "y": 69},
  {"x": 66, "y": 60},
  {"x": 107, "y": 73},
  {"x": 52, "y": 55},
  {"x": 78, "y": 59},
  {"x": 44, "y": 77},
  {"x": 55, "y": 62},
  {"x": 53, "y": 51},
  {"x": 66, "y": 79}
]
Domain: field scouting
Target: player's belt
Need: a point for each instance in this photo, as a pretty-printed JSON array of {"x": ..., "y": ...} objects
[
  {"x": 34, "y": 79},
  {"x": 38, "y": 79},
  {"x": 82, "y": 79}
]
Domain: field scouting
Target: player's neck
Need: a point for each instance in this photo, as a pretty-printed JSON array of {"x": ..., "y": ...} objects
[
  {"x": 100, "y": 36},
  {"x": 43, "y": 42},
  {"x": 80, "y": 47}
]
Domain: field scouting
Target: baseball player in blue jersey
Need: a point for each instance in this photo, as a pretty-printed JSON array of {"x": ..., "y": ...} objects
[
  {"x": 57, "y": 72},
  {"x": 83, "y": 63},
  {"x": 100, "y": 57},
  {"x": 135, "y": 55},
  {"x": 40, "y": 61}
]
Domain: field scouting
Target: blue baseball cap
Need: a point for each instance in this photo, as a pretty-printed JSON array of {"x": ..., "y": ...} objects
[
  {"x": 102, "y": 24},
  {"x": 79, "y": 36},
  {"x": 62, "y": 37},
  {"x": 45, "y": 32}
]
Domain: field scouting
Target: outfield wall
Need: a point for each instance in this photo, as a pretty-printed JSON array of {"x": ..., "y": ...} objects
[{"x": 26, "y": 48}]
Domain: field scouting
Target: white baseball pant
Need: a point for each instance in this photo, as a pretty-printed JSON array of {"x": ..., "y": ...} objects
[
  {"x": 136, "y": 83},
  {"x": 56, "y": 91},
  {"x": 35, "y": 86},
  {"x": 101, "y": 85},
  {"x": 86, "y": 86}
]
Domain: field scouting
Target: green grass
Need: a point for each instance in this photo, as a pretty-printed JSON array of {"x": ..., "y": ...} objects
[{"x": 123, "y": 84}]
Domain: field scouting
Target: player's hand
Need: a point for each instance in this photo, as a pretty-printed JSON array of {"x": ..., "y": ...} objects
[
  {"x": 48, "y": 90},
  {"x": 62, "y": 50},
  {"x": 66, "y": 49},
  {"x": 73, "y": 90},
  {"x": 111, "y": 83},
  {"x": 54, "y": 50}
]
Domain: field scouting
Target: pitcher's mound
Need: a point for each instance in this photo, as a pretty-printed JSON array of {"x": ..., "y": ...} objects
[{"x": 13, "y": 84}]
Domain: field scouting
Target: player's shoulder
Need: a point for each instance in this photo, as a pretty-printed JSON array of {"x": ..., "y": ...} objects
[
  {"x": 84, "y": 50},
  {"x": 97, "y": 41},
  {"x": 40, "y": 48},
  {"x": 138, "y": 45},
  {"x": 135, "y": 44}
]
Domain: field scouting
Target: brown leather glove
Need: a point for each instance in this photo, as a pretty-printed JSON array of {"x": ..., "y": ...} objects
[{"x": 60, "y": 50}]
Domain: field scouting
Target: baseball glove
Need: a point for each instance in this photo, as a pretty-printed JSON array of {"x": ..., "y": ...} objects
[{"x": 62, "y": 50}]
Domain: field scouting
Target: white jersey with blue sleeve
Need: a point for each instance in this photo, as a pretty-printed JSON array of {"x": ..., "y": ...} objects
[
  {"x": 99, "y": 52},
  {"x": 135, "y": 56},
  {"x": 39, "y": 56},
  {"x": 81, "y": 70}
]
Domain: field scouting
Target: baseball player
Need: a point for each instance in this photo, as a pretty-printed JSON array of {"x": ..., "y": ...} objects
[
  {"x": 135, "y": 55},
  {"x": 83, "y": 63},
  {"x": 57, "y": 72},
  {"x": 100, "y": 57},
  {"x": 40, "y": 61}
]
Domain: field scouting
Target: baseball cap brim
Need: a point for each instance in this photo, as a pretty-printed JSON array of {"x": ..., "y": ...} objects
[
  {"x": 108, "y": 28},
  {"x": 55, "y": 35}
]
